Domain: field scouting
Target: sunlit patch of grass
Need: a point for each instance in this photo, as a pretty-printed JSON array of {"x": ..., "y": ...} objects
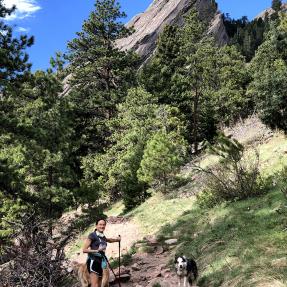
[
  {"x": 158, "y": 211},
  {"x": 234, "y": 241},
  {"x": 273, "y": 156},
  {"x": 116, "y": 209}
]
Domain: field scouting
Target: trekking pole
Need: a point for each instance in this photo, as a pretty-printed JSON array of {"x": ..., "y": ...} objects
[{"x": 120, "y": 262}]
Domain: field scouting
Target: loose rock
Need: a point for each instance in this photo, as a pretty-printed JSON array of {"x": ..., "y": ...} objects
[
  {"x": 171, "y": 241},
  {"x": 136, "y": 267}
]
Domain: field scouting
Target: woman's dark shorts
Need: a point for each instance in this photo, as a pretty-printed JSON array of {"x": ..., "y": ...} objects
[{"x": 95, "y": 265}]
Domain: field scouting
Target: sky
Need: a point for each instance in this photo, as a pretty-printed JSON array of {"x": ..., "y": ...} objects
[{"x": 55, "y": 22}]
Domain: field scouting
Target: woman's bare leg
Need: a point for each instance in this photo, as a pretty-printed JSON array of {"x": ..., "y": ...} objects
[{"x": 106, "y": 277}]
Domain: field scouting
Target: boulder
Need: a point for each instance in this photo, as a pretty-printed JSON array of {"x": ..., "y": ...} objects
[
  {"x": 159, "y": 250},
  {"x": 124, "y": 270},
  {"x": 136, "y": 267},
  {"x": 151, "y": 240},
  {"x": 123, "y": 278},
  {"x": 171, "y": 241}
]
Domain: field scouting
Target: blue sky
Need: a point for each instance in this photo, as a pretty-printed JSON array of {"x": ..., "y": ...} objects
[{"x": 54, "y": 22}]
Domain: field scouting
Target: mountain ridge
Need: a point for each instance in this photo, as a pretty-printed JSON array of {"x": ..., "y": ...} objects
[
  {"x": 269, "y": 11},
  {"x": 149, "y": 24}
]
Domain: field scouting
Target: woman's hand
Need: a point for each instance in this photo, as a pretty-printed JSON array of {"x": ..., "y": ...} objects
[
  {"x": 101, "y": 248},
  {"x": 112, "y": 240}
]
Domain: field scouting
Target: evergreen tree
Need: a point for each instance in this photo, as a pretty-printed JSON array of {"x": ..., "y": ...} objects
[
  {"x": 157, "y": 75},
  {"x": 276, "y": 5},
  {"x": 43, "y": 118},
  {"x": 204, "y": 81},
  {"x": 140, "y": 116},
  {"x": 14, "y": 63},
  {"x": 101, "y": 74},
  {"x": 246, "y": 35},
  {"x": 192, "y": 80},
  {"x": 163, "y": 155},
  {"x": 14, "y": 69},
  {"x": 229, "y": 97},
  {"x": 269, "y": 71}
]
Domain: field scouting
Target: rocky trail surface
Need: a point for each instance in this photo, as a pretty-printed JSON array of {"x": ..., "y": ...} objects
[{"x": 150, "y": 265}]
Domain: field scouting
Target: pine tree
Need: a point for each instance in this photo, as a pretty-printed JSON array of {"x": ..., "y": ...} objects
[
  {"x": 246, "y": 35},
  {"x": 116, "y": 169},
  {"x": 47, "y": 169},
  {"x": 157, "y": 75},
  {"x": 14, "y": 63},
  {"x": 140, "y": 116},
  {"x": 14, "y": 69},
  {"x": 269, "y": 71},
  {"x": 163, "y": 155},
  {"x": 101, "y": 74},
  {"x": 276, "y": 5},
  {"x": 192, "y": 80},
  {"x": 229, "y": 97}
]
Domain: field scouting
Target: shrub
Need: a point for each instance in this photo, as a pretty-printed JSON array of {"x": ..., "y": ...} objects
[
  {"x": 236, "y": 177},
  {"x": 36, "y": 259}
]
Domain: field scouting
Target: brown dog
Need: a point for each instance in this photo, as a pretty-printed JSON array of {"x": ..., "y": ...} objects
[{"x": 81, "y": 271}]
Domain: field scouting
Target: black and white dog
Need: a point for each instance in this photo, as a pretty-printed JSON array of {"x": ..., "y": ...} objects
[{"x": 186, "y": 270}]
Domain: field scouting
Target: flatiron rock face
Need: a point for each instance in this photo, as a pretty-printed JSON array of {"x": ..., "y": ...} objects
[
  {"x": 268, "y": 12},
  {"x": 149, "y": 25}
]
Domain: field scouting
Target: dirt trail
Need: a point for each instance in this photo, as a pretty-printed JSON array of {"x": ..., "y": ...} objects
[
  {"x": 146, "y": 269},
  {"x": 129, "y": 232}
]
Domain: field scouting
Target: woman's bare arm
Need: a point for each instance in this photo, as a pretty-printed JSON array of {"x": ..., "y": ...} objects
[
  {"x": 86, "y": 247},
  {"x": 112, "y": 240}
]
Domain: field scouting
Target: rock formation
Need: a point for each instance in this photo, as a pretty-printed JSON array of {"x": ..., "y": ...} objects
[
  {"x": 268, "y": 12},
  {"x": 149, "y": 25}
]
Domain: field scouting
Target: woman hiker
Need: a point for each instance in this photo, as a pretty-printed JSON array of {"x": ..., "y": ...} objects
[{"x": 95, "y": 245}]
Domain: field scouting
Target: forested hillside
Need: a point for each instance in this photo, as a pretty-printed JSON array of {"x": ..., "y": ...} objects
[{"x": 124, "y": 129}]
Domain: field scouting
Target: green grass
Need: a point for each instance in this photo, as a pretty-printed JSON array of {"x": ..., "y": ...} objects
[
  {"x": 273, "y": 154},
  {"x": 236, "y": 242},
  {"x": 116, "y": 209},
  {"x": 158, "y": 211}
]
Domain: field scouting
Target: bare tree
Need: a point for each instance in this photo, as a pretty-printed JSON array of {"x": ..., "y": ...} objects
[{"x": 35, "y": 258}]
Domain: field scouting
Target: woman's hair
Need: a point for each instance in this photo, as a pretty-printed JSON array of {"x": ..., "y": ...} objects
[{"x": 100, "y": 219}]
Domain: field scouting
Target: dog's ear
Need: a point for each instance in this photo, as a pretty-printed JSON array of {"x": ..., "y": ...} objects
[{"x": 175, "y": 258}]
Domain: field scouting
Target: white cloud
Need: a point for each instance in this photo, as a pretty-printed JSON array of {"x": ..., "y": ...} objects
[
  {"x": 22, "y": 29},
  {"x": 25, "y": 8}
]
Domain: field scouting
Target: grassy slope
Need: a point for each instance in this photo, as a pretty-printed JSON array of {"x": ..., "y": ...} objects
[{"x": 236, "y": 244}]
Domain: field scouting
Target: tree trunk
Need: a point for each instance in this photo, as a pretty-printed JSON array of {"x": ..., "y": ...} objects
[
  {"x": 195, "y": 120},
  {"x": 50, "y": 207}
]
